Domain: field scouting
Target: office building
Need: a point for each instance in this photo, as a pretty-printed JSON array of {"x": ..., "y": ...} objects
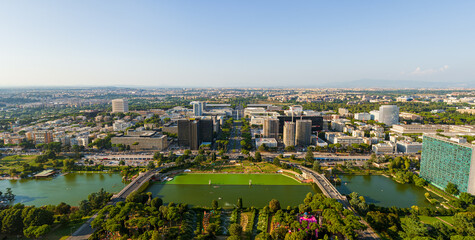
[
  {"x": 317, "y": 122},
  {"x": 197, "y": 108},
  {"x": 192, "y": 133},
  {"x": 289, "y": 134},
  {"x": 384, "y": 148},
  {"x": 409, "y": 147},
  {"x": 419, "y": 128},
  {"x": 444, "y": 161},
  {"x": 348, "y": 140},
  {"x": 338, "y": 125},
  {"x": 389, "y": 114},
  {"x": 362, "y": 116},
  {"x": 303, "y": 132},
  {"x": 374, "y": 115},
  {"x": 271, "y": 128},
  {"x": 120, "y": 106},
  {"x": 145, "y": 141}
]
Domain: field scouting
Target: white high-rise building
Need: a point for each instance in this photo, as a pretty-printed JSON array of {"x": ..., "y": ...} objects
[
  {"x": 197, "y": 108},
  {"x": 389, "y": 114},
  {"x": 120, "y": 105}
]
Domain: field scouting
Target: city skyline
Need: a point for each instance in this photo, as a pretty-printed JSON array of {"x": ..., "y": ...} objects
[{"x": 235, "y": 44}]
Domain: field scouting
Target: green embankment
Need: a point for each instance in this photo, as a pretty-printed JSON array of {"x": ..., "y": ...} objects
[{"x": 234, "y": 179}]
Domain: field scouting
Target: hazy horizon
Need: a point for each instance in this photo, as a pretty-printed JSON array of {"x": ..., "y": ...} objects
[{"x": 235, "y": 44}]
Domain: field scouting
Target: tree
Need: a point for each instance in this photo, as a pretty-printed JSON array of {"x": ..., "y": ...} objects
[
  {"x": 274, "y": 205},
  {"x": 466, "y": 198},
  {"x": 235, "y": 229},
  {"x": 150, "y": 165},
  {"x": 12, "y": 221},
  {"x": 99, "y": 199},
  {"x": 316, "y": 166},
  {"x": 239, "y": 203},
  {"x": 258, "y": 156},
  {"x": 309, "y": 155},
  {"x": 199, "y": 158},
  {"x": 214, "y": 204},
  {"x": 262, "y": 148},
  {"x": 63, "y": 208},
  {"x": 289, "y": 148},
  {"x": 85, "y": 207},
  {"x": 37, "y": 217},
  {"x": 157, "y": 156},
  {"x": 276, "y": 161},
  {"x": 156, "y": 202},
  {"x": 413, "y": 227},
  {"x": 36, "y": 231},
  {"x": 212, "y": 228},
  {"x": 452, "y": 189}
]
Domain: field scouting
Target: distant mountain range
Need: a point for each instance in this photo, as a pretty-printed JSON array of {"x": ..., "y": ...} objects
[{"x": 371, "y": 83}]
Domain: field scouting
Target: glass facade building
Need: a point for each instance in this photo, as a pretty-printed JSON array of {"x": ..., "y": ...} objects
[{"x": 444, "y": 161}]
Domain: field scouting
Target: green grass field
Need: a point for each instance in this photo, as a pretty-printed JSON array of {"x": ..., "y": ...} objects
[
  {"x": 16, "y": 162},
  {"x": 432, "y": 220},
  {"x": 234, "y": 179}
]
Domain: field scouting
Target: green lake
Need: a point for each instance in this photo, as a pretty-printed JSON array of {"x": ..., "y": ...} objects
[
  {"x": 195, "y": 189},
  {"x": 71, "y": 188},
  {"x": 383, "y": 191}
]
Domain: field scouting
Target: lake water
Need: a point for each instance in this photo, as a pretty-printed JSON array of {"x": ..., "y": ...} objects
[
  {"x": 229, "y": 187},
  {"x": 383, "y": 191},
  {"x": 71, "y": 188}
]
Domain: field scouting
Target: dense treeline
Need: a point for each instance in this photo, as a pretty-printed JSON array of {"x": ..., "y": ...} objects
[{"x": 34, "y": 222}]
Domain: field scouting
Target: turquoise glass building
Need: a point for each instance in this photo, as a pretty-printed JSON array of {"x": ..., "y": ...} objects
[{"x": 445, "y": 161}]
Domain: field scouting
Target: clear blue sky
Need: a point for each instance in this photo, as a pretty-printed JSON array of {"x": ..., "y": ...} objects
[{"x": 234, "y": 43}]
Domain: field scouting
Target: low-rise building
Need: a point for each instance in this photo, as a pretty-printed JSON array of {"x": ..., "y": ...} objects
[
  {"x": 384, "y": 148},
  {"x": 409, "y": 147},
  {"x": 269, "y": 142},
  {"x": 363, "y": 116},
  {"x": 347, "y": 140},
  {"x": 121, "y": 125},
  {"x": 144, "y": 142}
]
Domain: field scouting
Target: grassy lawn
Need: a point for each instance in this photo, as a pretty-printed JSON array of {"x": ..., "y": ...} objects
[
  {"x": 244, "y": 167},
  {"x": 233, "y": 179},
  {"x": 432, "y": 220},
  {"x": 16, "y": 162}
]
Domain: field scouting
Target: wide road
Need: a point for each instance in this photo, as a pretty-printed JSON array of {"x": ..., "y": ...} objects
[{"x": 235, "y": 138}]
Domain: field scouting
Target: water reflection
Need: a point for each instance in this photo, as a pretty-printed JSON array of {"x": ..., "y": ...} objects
[
  {"x": 383, "y": 191},
  {"x": 70, "y": 188}
]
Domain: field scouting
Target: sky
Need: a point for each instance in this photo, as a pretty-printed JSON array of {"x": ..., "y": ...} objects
[{"x": 245, "y": 43}]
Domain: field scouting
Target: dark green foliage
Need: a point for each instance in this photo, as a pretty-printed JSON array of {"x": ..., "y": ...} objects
[
  {"x": 452, "y": 189},
  {"x": 99, "y": 199}
]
